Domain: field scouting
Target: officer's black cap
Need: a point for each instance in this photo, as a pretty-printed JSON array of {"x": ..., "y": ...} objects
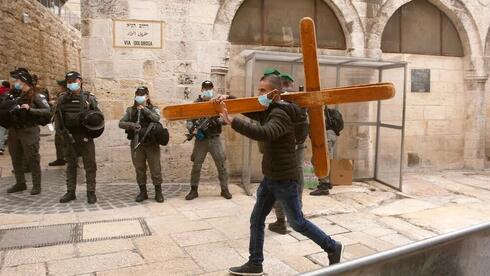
[
  {"x": 142, "y": 90},
  {"x": 25, "y": 77},
  {"x": 72, "y": 75},
  {"x": 14, "y": 73},
  {"x": 207, "y": 84}
]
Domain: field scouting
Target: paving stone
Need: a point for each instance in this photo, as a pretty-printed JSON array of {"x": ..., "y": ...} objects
[
  {"x": 320, "y": 258},
  {"x": 301, "y": 264},
  {"x": 396, "y": 239},
  {"x": 111, "y": 229},
  {"x": 355, "y": 251},
  {"x": 102, "y": 247},
  {"x": 38, "y": 255},
  {"x": 406, "y": 228},
  {"x": 449, "y": 218},
  {"x": 215, "y": 256},
  {"x": 274, "y": 266},
  {"x": 370, "y": 241},
  {"x": 94, "y": 263},
  {"x": 25, "y": 270},
  {"x": 355, "y": 221},
  {"x": 178, "y": 224},
  {"x": 198, "y": 237},
  {"x": 232, "y": 227},
  {"x": 159, "y": 248},
  {"x": 403, "y": 206},
  {"x": 379, "y": 231}
]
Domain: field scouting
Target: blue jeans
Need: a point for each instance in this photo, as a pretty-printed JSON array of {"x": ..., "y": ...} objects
[
  {"x": 286, "y": 193},
  {"x": 3, "y": 133}
]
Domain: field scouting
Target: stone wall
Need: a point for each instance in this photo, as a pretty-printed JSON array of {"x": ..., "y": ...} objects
[
  {"x": 44, "y": 44},
  {"x": 444, "y": 129}
]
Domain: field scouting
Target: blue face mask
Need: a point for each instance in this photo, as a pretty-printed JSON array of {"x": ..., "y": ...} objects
[
  {"x": 140, "y": 99},
  {"x": 208, "y": 93},
  {"x": 18, "y": 85},
  {"x": 263, "y": 100},
  {"x": 74, "y": 86}
]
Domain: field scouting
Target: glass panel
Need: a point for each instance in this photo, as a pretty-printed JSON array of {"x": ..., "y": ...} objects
[
  {"x": 390, "y": 42},
  {"x": 357, "y": 143},
  {"x": 389, "y": 153},
  {"x": 245, "y": 28},
  {"x": 392, "y": 109},
  {"x": 328, "y": 29},
  {"x": 451, "y": 44},
  {"x": 421, "y": 32},
  {"x": 282, "y": 18}
]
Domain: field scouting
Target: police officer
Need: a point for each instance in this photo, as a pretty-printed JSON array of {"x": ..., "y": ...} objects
[
  {"x": 144, "y": 148},
  {"x": 70, "y": 108},
  {"x": 58, "y": 136},
  {"x": 208, "y": 140},
  {"x": 24, "y": 135}
]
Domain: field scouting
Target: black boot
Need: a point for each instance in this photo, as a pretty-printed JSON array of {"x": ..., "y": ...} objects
[
  {"x": 36, "y": 189},
  {"x": 143, "y": 195},
  {"x": 247, "y": 269},
  {"x": 17, "y": 188},
  {"x": 158, "y": 193},
  {"x": 279, "y": 227},
  {"x": 192, "y": 194},
  {"x": 69, "y": 196},
  {"x": 322, "y": 189},
  {"x": 91, "y": 197},
  {"x": 57, "y": 162},
  {"x": 225, "y": 193}
]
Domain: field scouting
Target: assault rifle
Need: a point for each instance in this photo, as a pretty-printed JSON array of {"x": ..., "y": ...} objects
[
  {"x": 201, "y": 124},
  {"x": 136, "y": 137}
]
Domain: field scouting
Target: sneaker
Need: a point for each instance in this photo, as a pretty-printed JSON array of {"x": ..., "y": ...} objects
[
  {"x": 57, "y": 162},
  {"x": 247, "y": 269},
  {"x": 279, "y": 227},
  {"x": 320, "y": 192},
  {"x": 335, "y": 256}
]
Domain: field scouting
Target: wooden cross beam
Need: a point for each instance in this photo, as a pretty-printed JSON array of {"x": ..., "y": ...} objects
[{"x": 313, "y": 99}]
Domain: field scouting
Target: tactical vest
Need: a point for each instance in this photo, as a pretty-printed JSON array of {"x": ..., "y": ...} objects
[
  {"x": 215, "y": 127},
  {"x": 72, "y": 108},
  {"x": 22, "y": 118}
]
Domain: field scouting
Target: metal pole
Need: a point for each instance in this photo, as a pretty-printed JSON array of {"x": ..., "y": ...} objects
[
  {"x": 378, "y": 127},
  {"x": 402, "y": 150}
]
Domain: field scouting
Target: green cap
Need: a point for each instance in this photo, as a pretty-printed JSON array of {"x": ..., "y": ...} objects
[
  {"x": 271, "y": 71},
  {"x": 286, "y": 76}
]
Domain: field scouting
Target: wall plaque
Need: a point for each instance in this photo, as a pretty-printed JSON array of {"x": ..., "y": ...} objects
[
  {"x": 138, "y": 34},
  {"x": 420, "y": 80}
]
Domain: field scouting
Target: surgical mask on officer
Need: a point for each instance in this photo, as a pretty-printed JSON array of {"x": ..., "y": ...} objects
[
  {"x": 140, "y": 99},
  {"x": 18, "y": 85},
  {"x": 208, "y": 93},
  {"x": 74, "y": 86}
]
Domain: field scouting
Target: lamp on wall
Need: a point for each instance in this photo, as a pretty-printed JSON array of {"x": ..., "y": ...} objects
[{"x": 26, "y": 19}]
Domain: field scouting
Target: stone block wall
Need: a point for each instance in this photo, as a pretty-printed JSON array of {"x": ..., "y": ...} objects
[{"x": 43, "y": 44}]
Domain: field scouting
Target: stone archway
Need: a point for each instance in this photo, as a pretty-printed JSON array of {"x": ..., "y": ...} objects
[{"x": 345, "y": 12}]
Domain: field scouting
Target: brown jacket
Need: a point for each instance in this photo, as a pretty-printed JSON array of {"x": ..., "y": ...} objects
[{"x": 276, "y": 132}]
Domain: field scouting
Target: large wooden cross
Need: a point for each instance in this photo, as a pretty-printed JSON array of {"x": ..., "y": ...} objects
[{"x": 313, "y": 99}]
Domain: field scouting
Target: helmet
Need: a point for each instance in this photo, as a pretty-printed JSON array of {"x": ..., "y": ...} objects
[{"x": 93, "y": 123}]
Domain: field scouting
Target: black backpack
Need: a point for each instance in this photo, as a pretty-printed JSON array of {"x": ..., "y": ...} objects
[
  {"x": 334, "y": 120},
  {"x": 300, "y": 119}
]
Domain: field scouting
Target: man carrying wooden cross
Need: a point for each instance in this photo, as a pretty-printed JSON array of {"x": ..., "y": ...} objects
[
  {"x": 276, "y": 130},
  {"x": 276, "y": 133}
]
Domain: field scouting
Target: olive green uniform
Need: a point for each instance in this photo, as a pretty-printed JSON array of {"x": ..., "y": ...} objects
[
  {"x": 58, "y": 136},
  {"x": 23, "y": 140},
  {"x": 149, "y": 150},
  {"x": 210, "y": 143},
  {"x": 76, "y": 143}
]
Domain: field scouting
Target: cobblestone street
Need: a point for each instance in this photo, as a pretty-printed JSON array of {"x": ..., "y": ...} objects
[{"x": 210, "y": 234}]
